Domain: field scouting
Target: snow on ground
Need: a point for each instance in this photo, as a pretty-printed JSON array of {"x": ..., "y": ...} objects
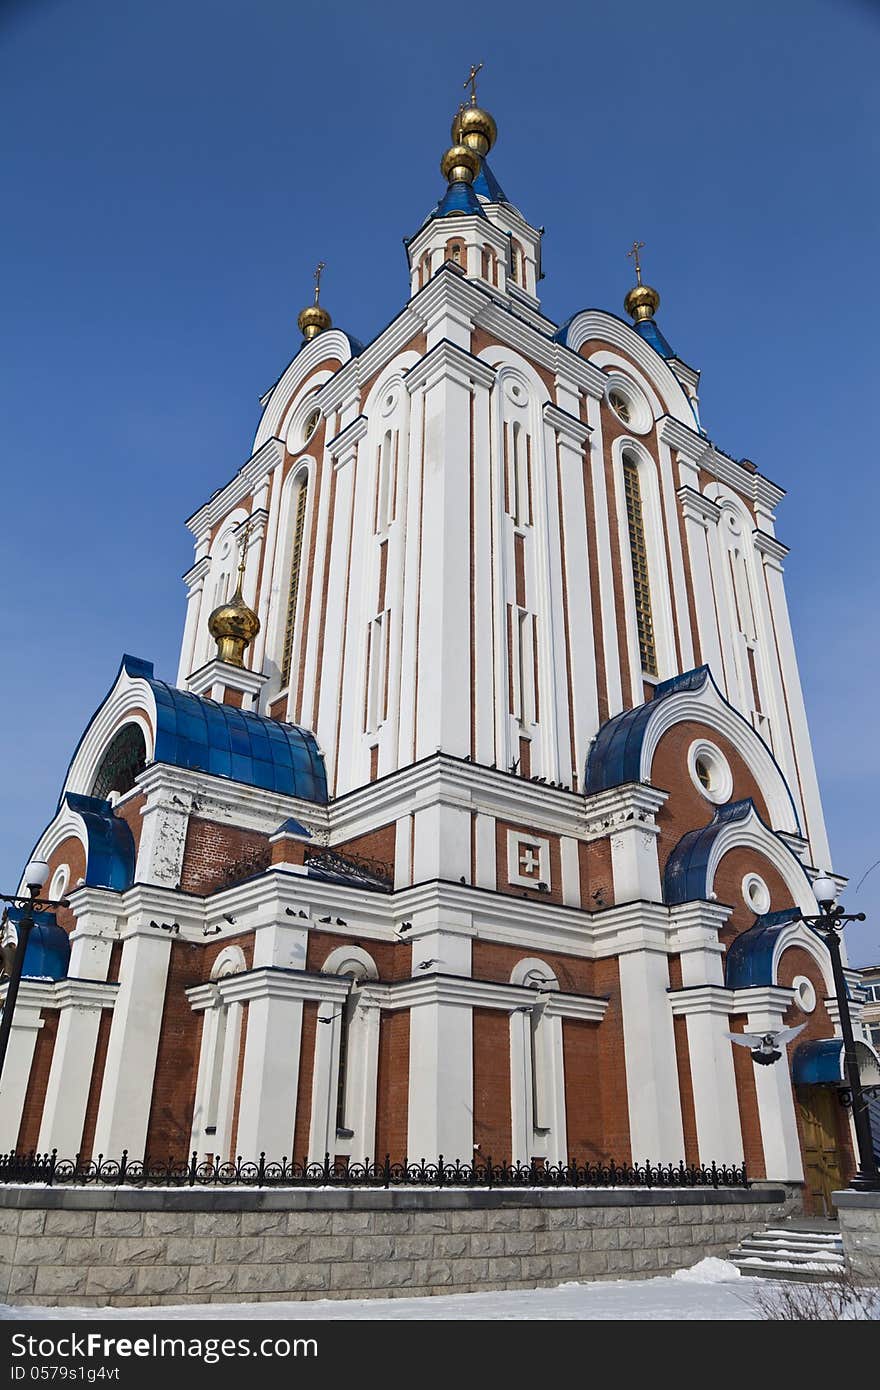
[{"x": 709, "y": 1291}]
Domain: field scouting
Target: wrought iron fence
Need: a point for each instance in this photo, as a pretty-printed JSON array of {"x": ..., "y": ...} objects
[{"x": 193, "y": 1172}]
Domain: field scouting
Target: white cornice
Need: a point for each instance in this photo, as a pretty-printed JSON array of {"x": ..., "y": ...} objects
[
  {"x": 697, "y": 507},
  {"x": 566, "y": 424},
  {"x": 231, "y": 803},
  {"x": 448, "y": 360},
  {"x": 197, "y": 572},
  {"x": 241, "y": 486},
  {"x": 342, "y": 447},
  {"x": 703, "y": 454},
  {"x": 761, "y": 998},
  {"x": 632, "y": 803},
  {"x": 85, "y": 994},
  {"x": 701, "y": 999},
  {"x": 269, "y": 982},
  {"x": 202, "y": 681},
  {"x": 769, "y": 546}
]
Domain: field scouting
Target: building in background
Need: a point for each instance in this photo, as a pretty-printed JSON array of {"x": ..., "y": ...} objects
[{"x": 483, "y": 804}]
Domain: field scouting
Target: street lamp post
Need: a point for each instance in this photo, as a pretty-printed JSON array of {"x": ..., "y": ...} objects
[
  {"x": 829, "y": 926},
  {"x": 35, "y": 876}
]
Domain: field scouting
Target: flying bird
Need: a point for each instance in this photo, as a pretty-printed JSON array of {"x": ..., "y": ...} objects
[{"x": 766, "y": 1048}]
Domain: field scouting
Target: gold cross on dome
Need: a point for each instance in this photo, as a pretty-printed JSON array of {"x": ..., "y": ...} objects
[
  {"x": 243, "y": 538},
  {"x": 318, "y": 269},
  {"x": 637, "y": 246},
  {"x": 471, "y": 81}
]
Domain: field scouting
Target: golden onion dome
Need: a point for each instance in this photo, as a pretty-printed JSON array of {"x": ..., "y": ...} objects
[
  {"x": 641, "y": 303},
  {"x": 233, "y": 627},
  {"x": 313, "y": 320},
  {"x": 460, "y": 164},
  {"x": 474, "y": 128}
]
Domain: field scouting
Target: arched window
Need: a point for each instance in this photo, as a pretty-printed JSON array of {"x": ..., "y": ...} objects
[
  {"x": 299, "y": 526},
  {"x": 536, "y": 1069},
  {"x": 124, "y": 759},
  {"x": 639, "y": 562},
  {"x": 346, "y": 1060}
]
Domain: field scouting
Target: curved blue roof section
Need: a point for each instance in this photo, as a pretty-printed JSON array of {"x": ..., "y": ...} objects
[
  {"x": 487, "y": 186},
  {"x": 749, "y": 959},
  {"x": 648, "y": 330},
  {"x": 48, "y": 950},
  {"x": 461, "y": 198},
  {"x": 685, "y": 878},
  {"x": 616, "y": 754},
  {"x": 227, "y": 742},
  {"x": 818, "y": 1062},
  {"x": 111, "y": 853}
]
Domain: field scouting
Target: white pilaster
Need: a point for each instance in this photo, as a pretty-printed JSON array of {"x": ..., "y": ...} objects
[
  {"x": 765, "y": 1009},
  {"x": 651, "y": 1069},
  {"x": 713, "y": 1080},
  {"x": 441, "y": 1082},
  {"x": 27, "y": 1021},
  {"x": 81, "y": 1004},
  {"x": 127, "y": 1089},
  {"x": 267, "y": 1107}
]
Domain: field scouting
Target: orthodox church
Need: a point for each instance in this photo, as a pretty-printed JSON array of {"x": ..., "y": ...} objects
[{"x": 482, "y": 807}]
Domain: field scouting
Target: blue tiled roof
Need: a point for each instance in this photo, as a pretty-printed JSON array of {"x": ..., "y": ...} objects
[
  {"x": 219, "y": 739},
  {"x": 111, "y": 853},
  {"x": 461, "y": 198},
  {"x": 487, "y": 186},
  {"x": 749, "y": 959},
  {"x": 648, "y": 330},
  {"x": 48, "y": 950},
  {"x": 685, "y": 875},
  {"x": 818, "y": 1062},
  {"x": 616, "y": 754}
]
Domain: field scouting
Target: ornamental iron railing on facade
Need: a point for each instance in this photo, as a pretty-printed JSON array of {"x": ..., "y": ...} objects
[{"x": 193, "y": 1172}]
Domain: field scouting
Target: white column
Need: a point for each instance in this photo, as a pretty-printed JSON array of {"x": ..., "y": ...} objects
[
  {"x": 129, "y": 1072},
  {"x": 81, "y": 1003},
  {"x": 267, "y": 1107},
  {"x": 195, "y": 582},
  {"x": 699, "y": 514},
  {"x": 443, "y": 707},
  {"x": 165, "y": 819},
  {"x": 713, "y": 1080},
  {"x": 581, "y": 638},
  {"x": 441, "y": 1082},
  {"x": 27, "y": 1021},
  {"x": 765, "y": 1010},
  {"x": 803, "y": 749},
  {"x": 649, "y": 1048}
]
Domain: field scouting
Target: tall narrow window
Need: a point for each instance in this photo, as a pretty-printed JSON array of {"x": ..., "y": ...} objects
[
  {"x": 299, "y": 525},
  {"x": 639, "y": 559},
  {"x": 348, "y": 1009}
]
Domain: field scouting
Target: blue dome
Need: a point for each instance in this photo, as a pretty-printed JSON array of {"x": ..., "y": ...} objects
[{"x": 48, "y": 950}]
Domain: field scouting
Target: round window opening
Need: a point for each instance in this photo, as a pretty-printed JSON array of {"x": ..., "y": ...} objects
[
  {"x": 756, "y": 894},
  {"x": 629, "y": 405},
  {"x": 311, "y": 425},
  {"x": 710, "y": 771},
  {"x": 125, "y": 758},
  {"x": 804, "y": 993}
]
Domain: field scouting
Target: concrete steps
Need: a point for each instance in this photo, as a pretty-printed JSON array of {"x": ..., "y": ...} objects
[{"x": 791, "y": 1252}]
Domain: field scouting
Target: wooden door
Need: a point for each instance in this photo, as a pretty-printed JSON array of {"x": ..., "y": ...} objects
[{"x": 818, "y": 1107}]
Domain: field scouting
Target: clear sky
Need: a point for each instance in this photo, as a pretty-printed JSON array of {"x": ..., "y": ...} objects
[{"x": 172, "y": 171}]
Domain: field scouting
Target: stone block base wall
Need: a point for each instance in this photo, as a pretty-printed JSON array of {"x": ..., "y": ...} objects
[
  {"x": 859, "y": 1216},
  {"x": 126, "y": 1248}
]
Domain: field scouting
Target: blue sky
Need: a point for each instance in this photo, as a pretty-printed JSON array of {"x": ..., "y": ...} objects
[{"x": 171, "y": 173}]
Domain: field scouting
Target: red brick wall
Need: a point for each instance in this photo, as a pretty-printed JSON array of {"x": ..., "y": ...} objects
[
  {"x": 492, "y": 1120},
  {"x": 393, "y": 959},
  {"x": 35, "y": 1095},
  {"x": 130, "y": 811},
  {"x": 379, "y": 844},
  {"x": 170, "y": 1125},
  {"x": 683, "y": 1063},
  {"x": 236, "y": 1106},
  {"x": 392, "y": 1088},
  {"x": 88, "y": 1138},
  {"x": 492, "y": 961},
  {"x": 304, "y": 1091},
  {"x": 734, "y": 865},
  {"x": 747, "y": 1098},
  {"x": 597, "y": 878},
  {"x": 212, "y": 849},
  {"x": 687, "y": 808}
]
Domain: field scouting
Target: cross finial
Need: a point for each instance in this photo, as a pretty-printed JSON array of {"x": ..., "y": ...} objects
[
  {"x": 318, "y": 269},
  {"x": 244, "y": 535},
  {"x": 471, "y": 81},
  {"x": 633, "y": 254}
]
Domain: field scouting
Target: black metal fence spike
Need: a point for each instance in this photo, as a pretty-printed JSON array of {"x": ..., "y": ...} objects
[{"x": 48, "y": 1168}]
